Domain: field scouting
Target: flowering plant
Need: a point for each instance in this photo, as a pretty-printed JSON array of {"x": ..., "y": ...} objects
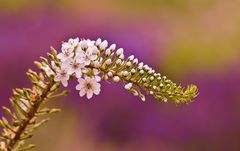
[{"x": 88, "y": 62}]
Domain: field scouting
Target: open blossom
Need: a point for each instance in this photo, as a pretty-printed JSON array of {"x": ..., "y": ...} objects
[
  {"x": 89, "y": 55},
  {"x": 62, "y": 76},
  {"x": 72, "y": 66},
  {"x": 67, "y": 52},
  {"x": 73, "y": 42},
  {"x": 88, "y": 86},
  {"x": 84, "y": 44}
]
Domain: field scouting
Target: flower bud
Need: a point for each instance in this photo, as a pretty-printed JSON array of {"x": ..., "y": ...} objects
[
  {"x": 98, "y": 42},
  {"x": 128, "y": 86},
  {"x": 120, "y": 51},
  {"x": 108, "y": 52},
  {"x": 103, "y": 45},
  {"x": 135, "y": 61},
  {"x": 131, "y": 57},
  {"x": 110, "y": 74},
  {"x": 108, "y": 61},
  {"x": 112, "y": 47},
  {"x": 125, "y": 73},
  {"x": 116, "y": 79},
  {"x": 121, "y": 56}
]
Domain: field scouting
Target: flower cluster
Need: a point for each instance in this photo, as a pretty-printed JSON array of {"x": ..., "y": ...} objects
[{"x": 92, "y": 61}]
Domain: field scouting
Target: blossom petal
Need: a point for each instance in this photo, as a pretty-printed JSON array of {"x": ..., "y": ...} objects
[
  {"x": 64, "y": 82},
  {"x": 79, "y": 86},
  {"x": 89, "y": 94},
  {"x": 82, "y": 92}
]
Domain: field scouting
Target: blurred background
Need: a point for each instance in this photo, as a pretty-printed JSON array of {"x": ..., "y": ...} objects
[{"x": 190, "y": 41}]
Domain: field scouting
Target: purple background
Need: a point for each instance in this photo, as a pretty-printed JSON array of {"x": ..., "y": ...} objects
[{"x": 190, "y": 42}]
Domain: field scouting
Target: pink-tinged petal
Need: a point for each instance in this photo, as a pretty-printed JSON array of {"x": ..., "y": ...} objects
[
  {"x": 96, "y": 91},
  {"x": 97, "y": 85},
  {"x": 89, "y": 51},
  {"x": 78, "y": 73},
  {"x": 80, "y": 52},
  {"x": 64, "y": 82},
  {"x": 79, "y": 86},
  {"x": 82, "y": 92},
  {"x": 89, "y": 94},
  {"x": 98, "y": 78},
  {"x": 70, "y": 70},
  {"x": 81, "y": 80},
  {"x": 66, "y": 77},
  {"x": 88, "y": 79},
  {"x": 65, "y": 65}
]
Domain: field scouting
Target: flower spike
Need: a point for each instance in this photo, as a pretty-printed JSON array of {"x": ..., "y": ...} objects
[
  {"x": 88, "y": 62},
  {"x": 79, "y": 58}
]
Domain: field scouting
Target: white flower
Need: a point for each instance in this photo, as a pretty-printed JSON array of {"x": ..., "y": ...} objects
[
  {"x": 140, "y": 66},
  {"x": 103, "y": 45},
  {"x": 121, "y": 56},
  {"x": 73, "y": 42},
  {"x": 151, "y": 78},
  {"x": 88, "y": 86},
  {"x": 74, "y": 67},
  {"x": 135, "y": 61},
  {"x": 128, "y": 86},
  {"x": 134, "y": 92},
  {"x": 98, "y": 42},
  {"x": 62, "y": 76},
  {"x": 119, "y": 61},
  {"x": 108, "y": 61},
  {"x": 116, "y": 79},
  {"x": 110, "y": 74},
  {"x": 97, "y": 64},
  {"x": 112, "y": 47},
  {"x": 133, "y": 71},
  {"x": 125, "y": 73},
  {"x": 108, "y": 52},
  {"x": 143, "y": 98},
  {"x": 84, "y": 44},
  {"x": 89, "y": 55},
  {"x": 146, "y": 67},
  {"x": 67, "y": 52},
  {"x": 131, "y": 57},
  {"x": 120, "y": 51},
  {"x": 129, "y": 63}
]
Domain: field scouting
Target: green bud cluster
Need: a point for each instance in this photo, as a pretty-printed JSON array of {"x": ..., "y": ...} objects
[{"x": 27, "y": 109}]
